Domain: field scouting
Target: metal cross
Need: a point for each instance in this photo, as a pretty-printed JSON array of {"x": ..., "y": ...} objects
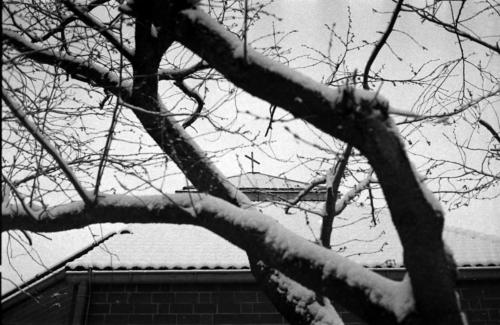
[{"x": 252, "y": 160}]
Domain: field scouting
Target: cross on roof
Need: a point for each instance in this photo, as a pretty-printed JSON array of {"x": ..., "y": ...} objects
[{"x": 252, "y": 160}]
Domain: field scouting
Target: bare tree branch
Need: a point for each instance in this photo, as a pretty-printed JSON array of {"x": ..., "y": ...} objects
[
  {"x": 315, "y": 182},
  {"x": 91, "y": 5},
  {"x": 450, "y": 28},
  {"x": 21, "y": 116},
  {"x": 333, "y": 179},
  {"x": 381, "y": 43},
  {"x": 101, "y": 28},
  {"x": 199, "y": 101},
  {"x": 176, "y": 74},
  {"x": 490, "y": 129}
]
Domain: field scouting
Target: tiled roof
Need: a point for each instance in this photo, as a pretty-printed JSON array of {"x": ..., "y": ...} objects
[{"x": 355, "y": 236}]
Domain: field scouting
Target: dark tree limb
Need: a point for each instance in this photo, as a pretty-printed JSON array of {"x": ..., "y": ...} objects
[
  {"x": 381, "y": 43},
  {"x": 333, "y": 180},
  {"x": 360, "y": 119},
  {"x": 451, "y": 28},
  {"x": 194, "y": 95},
  {"x": 315, "y": 182},
  {"x": 490, "y": 129},
  {"x": 18, "y": 112},
  {"x": 355, "y": 116},
  {"x": 100, "y": 27},
  {"x": 89, "y": 7},
  {"x": 176, "y": 74}
]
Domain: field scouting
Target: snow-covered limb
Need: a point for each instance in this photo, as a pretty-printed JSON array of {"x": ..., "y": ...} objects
[
  {"x": 360, "y": 118},
  {"x": 371, "y": 296},
  {"x": 301, "y": 305},
  {"x": 341, "y": 204},
  {"x": 291, "y": 90},
  {"x": 315, "y": 182},
  {"x": 333, "y": 179}
]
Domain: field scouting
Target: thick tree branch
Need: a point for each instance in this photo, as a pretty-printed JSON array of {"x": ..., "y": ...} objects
[
  {"x": 371, "y": 296},
  {"x": 359, "y": 118},
  {"x": 355, "y": 116}
]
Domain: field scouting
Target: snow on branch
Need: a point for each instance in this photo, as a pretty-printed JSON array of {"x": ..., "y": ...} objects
[
  {"x": 368, "y": 294},
  {"x": 360, "y": 118}
]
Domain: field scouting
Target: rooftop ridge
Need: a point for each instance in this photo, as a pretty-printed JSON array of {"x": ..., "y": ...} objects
[{"x": 474, "y": 233}]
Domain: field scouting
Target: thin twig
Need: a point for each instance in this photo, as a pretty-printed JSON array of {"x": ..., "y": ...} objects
[
  {"x": 116, "y": 112},
  {"x": 176, "y": 74},
  {"x": 381, "y": 43},
  {"x": 454, "y": 112},
  {"x": 21, "y": 116},
  {"x": 371, "y": 204},
  {"x": 451, "y": 28},
  {"x": 245, "y": 18},
  {"x": 272, "y": 109},
  {"x": 69, "y": 20}
]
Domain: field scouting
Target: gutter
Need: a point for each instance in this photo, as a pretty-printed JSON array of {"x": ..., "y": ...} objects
[
  {"x": 162, "y": 276},
  {"x": 239, "y": 275}
]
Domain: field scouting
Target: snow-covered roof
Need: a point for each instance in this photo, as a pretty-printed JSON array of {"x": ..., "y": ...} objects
[
  {"x": 354, "y": 235},
  {"x": 256, "y": 180}
]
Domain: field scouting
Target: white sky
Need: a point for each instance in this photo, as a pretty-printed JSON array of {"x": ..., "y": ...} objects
[{"x": 309, "y": 18}]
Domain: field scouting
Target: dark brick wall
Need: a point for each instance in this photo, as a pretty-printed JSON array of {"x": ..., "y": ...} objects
[
  {"x": 481, "y": 301},
  {"x": 239, "y": 304},
  {"x": 181, "y": 304},
  {"x": 51, "y": 306},
  {"x": 202, "y": 304}
]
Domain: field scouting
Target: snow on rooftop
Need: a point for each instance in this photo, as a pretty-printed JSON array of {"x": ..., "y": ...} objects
[{"x": 190, "y": 247}]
